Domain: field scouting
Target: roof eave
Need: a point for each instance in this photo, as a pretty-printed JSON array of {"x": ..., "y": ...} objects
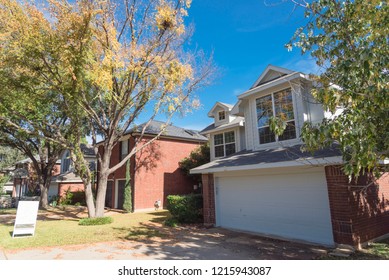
[
  {"x": 299, "y": 162},
  {"x": 280, "y": 80},
  {"x": 239, "y": 124}
]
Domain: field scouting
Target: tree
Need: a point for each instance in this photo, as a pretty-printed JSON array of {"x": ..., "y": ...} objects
[
  {"x": 349, "y": 40},
  {"x": 127, "y": 204},
  {"x": 199, "y": 156},
  {"x": 9, "y": 156},
  {"x": 106, "y": 63}
]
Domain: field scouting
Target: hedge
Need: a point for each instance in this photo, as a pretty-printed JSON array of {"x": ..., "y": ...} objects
[{"x": 186, "y": 208}]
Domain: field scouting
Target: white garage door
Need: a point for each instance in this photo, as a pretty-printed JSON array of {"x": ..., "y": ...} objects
[{"x": 293, "y": 205}]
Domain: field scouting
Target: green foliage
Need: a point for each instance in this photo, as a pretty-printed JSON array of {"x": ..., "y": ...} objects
[
  {"x": 9, "y": 156},
  {"x": 349, "y": 41},
  {"x": 185, "y": 208},
  {"x": 67, "y": 199},
  {"x": 3, "y": 180},
  {"x": 277, "y": 125},
  {"x": 171, "y": 222},
  {"x": 199, "y": 156},
  {"x": 127, "y": 204},
  {"x": 95, "y": 221}
]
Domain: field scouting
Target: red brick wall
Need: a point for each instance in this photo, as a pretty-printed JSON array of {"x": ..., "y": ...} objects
[
  {"x": 73, "y": 187},
  {"x": 155, "y": 172},
  {"x": 209, "y": 200},
  {"x": 358, "y": 214}
]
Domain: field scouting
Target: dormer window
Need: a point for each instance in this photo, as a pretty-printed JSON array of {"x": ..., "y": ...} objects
[
  {"x": 279, "y": 104},
  {"x": 222, "y": 115}
]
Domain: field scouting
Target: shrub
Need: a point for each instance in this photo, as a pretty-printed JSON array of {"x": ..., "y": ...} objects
[
  {"x": 95, "y": 221},
  {"x": 171, "y": 222},
  {"x": 185, "y": 208},
  {"x": 67, "y": 199}
]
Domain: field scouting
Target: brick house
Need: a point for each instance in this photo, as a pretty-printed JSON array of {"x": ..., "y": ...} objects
[
  {"x": 155, "y": 172},
  {"x": 263, "y": 183},
  {"x": 63, "y": 176}
]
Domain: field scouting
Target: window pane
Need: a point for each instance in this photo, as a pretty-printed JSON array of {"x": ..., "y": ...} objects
[
  {"x": 218, "y": 139},
  {"x": 219, "y": 151},
  {"x": 222, "y": 115},
  {"x": 229, "y": 137},
  {"x": 124, "y": 149},
  {"x": 289, "y": 133},
  {"x": 265, "y": 135},
  {"x": 283, "y": 104},
  {"x": 230, "y": 149},
  {"x": 264, "y": 110}
]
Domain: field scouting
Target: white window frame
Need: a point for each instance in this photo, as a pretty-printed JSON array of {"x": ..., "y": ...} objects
[
  {"x": 274, "y": 114},
  {"x": 224, "y": 144}
]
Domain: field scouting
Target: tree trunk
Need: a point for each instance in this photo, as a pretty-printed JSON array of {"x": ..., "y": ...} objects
[
  {"x": 101, "y": 192},
  {"x": 89, "y": 200},
  {"x": 44, "y": 200},
  {"x": 102, "y": 180}
]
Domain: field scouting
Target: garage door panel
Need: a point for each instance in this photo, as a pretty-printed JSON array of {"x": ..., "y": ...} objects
[{"x": 293, "y": 206}]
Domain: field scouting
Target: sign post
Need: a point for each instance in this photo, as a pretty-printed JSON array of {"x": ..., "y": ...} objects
[{"x": 26, "y": 216}]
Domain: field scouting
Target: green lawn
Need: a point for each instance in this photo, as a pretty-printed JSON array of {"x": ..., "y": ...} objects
[{"x": 57, "y": 231}]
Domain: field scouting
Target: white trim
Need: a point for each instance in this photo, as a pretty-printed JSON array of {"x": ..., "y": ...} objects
[
  {"x": 300, "y": 162},
  {"x": 277, "y": 82},
  {"x": 273, "y": 68},
  {"x": 228, "y": 126},
  {"x": 225, "y": 106},
  {"x": 296, "y": 140}
]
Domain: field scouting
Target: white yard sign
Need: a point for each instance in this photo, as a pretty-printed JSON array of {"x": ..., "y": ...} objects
[{"x": 26, "y": 218}]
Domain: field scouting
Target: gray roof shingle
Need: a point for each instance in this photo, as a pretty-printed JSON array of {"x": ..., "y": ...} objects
[
  {"x": 171, "y": 131},
  {"x": 269, "y": 156}
]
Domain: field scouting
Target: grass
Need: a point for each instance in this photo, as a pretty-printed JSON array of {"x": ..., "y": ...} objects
[
  {"x": 375, "y": 251},
  {"x": 95, "y": 221},
  {"x": 58, "y": 231}
]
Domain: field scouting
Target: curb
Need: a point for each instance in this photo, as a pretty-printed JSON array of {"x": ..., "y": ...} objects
[{"x": 2, "y": 256}]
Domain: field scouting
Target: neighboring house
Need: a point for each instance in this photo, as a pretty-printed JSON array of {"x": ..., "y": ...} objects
[
  {"x": 63, "y": 176},
  {"x": 155, "y": 172},
  {"x": 263, "y": 183},
  {"x": 66, "y": 179}
]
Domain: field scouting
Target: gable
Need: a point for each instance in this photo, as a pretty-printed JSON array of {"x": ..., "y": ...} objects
[
  {"x": 271, "y": 73},
  {"x": 219, "y": 106}
]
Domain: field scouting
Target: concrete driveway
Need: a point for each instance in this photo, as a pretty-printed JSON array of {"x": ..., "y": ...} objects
[{"x": 183, "y": 243}]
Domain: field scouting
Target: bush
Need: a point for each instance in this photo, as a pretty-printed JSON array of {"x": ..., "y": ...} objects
[
  {"x": 185, "y": 208},
  {"x": 95, "y": 221},
  {"x": 67, "y": 199},
  {"x": 171, "y": 222}
]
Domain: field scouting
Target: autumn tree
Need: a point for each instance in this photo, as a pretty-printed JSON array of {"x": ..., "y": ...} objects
[
  {"x": 107, "y": 63},
  {"x": 349, "y": 41}
]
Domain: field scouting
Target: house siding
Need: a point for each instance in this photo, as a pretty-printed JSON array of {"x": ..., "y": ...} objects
[{"x": 358, "y": 214}]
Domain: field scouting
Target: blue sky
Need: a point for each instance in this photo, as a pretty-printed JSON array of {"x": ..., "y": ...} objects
[{"x": 245, "y": 36}]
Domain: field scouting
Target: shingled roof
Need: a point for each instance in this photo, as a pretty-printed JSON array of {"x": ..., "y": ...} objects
[
  {"x": 171, "y": 131},
  {"x": 290, "y": 156}
]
